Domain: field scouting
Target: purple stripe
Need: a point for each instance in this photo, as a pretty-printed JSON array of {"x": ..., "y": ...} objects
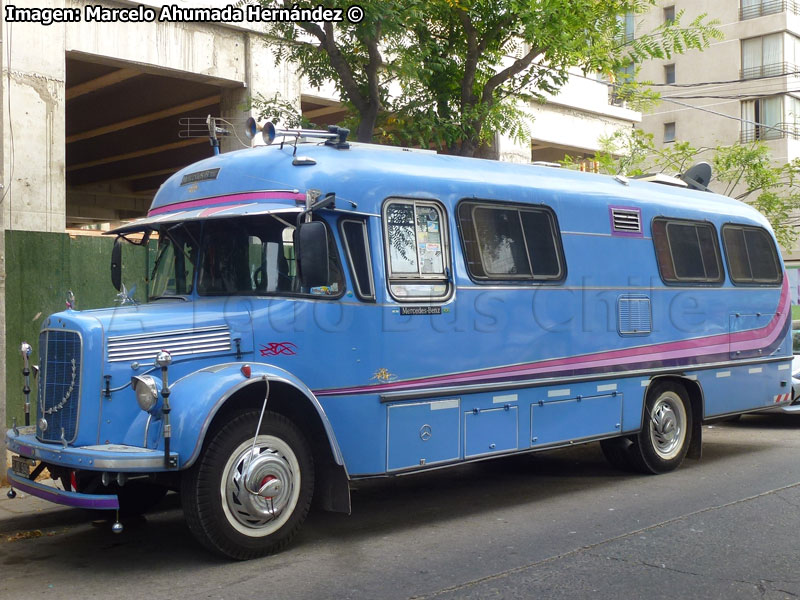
[
  {"x": 97, "y": 502},
  {"x": 747, "y": 343}
]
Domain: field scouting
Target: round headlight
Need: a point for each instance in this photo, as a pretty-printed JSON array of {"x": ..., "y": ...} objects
[{"x": 146, "y": 391}]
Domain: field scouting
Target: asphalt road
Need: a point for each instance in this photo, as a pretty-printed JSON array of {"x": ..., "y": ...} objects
[{"x": 560, "y": 524}]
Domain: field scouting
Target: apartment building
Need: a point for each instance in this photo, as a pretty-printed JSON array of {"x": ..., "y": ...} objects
[{"x": 745, "y": 87}]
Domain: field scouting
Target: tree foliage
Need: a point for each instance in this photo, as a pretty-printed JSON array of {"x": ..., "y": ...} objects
[
  {"x": 451, "y": 73},
  {"x": 746, "y": 172}
]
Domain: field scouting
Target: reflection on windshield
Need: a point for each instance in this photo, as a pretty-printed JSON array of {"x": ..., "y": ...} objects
[
  {"x": 244, "y": 255},
  {"x": 256, "y": 255},
  {"x": 173, "y": 272}
]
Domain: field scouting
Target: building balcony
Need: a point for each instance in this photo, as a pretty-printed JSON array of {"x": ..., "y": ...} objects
[
  {"x": 768, "y": 7},
  {"x": 770, "y": 70},
  {"x": 778, "y": 131}
]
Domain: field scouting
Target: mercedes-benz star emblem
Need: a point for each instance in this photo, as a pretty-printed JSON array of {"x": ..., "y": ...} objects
[{"x": 425, "y": 433}]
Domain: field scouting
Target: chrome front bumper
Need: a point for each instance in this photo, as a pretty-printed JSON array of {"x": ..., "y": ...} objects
[{"x": 107, "y": 457}]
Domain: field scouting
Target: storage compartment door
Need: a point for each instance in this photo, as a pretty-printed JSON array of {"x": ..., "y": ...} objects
[
  {"x": 422, "y": 433},
  {"x": 575, "y": 419},
  {"x": 491, "y": 430}
]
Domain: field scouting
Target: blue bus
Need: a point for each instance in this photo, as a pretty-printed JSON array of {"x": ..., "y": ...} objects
[{"x": 322, "y": 312}]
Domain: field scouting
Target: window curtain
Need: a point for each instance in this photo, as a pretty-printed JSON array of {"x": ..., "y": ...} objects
[
  {"x": 750, "y": 8},
  {"x": 751, "y": 57},
  {"x": 772, "y": 54},
  {"x": 771, "y": 115},
  {"x": 748, "y": 120},
  {"x": 792, "y": 118},
  {"x": 795, "y": 53}
]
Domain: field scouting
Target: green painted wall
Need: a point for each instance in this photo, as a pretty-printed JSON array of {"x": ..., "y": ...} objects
[{"x": 40, "y": 268}]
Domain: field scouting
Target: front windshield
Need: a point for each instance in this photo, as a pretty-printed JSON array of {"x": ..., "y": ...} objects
[
  {"x": 243, "y": 255},
  {"x": 255, "y": 255},
  {"x": 173, "y": 272}
]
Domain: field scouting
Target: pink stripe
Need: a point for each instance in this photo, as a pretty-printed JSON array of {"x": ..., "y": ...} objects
[
  {"x": 226, "y": 199},
  {"x": 218, "y": 209},
  {"x": 715, "y": 344}
]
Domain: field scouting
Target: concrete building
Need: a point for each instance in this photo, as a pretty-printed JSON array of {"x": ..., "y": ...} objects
[
  {"x": 94, "y": 118},
  {"x": 571, "y": 122},
  {"x": 91, "y": 110},
  {"x": 745, "y": 87}
]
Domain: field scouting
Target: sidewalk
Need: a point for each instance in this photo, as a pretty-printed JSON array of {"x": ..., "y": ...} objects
[{"x": 26, "y": 512}]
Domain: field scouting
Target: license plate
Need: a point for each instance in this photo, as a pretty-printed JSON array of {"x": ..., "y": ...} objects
[{"x": 22, "y": 466}]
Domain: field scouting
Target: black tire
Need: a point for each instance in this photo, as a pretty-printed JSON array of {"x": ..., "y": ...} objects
[
  {"x": 618, "y": 453},
  {"x": 225, "y": 517},
  {"x": 666, "y": 432}
]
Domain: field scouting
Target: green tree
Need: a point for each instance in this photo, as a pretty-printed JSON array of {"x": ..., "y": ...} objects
[
  {"x": 745, "y": 172},
  {"x": 475, "y": 59},
  {"x": 350, "y": 54},
  {"x": 462, "y": 66}
]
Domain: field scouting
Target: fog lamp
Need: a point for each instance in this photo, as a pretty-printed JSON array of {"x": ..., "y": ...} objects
[{"x": 146, "y": 390}]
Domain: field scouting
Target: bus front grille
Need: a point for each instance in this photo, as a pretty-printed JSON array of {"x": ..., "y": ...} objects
[{"x": 60, "y": 361}]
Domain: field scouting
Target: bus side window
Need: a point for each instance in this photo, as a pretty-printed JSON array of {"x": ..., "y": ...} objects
[
  {"x": 507, "y": 242},
  {"x": 751, "y": 254},
  {"x": 687, "y": 252},
  {"x": 356, "y": 246},
  {"x": 416, "y": 249}
]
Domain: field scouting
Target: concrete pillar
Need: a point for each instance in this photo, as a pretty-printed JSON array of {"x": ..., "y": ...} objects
[
  {"x": 3, "y": 449},
  {"x": 262, "y": 75},
  {"x": 33, "y": 81},
  {"x": 233, "y": 106}
]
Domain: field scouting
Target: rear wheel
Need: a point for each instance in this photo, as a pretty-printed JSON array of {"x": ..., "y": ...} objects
[
  {"x": 666, "y": 432},
  {"x": 242, "y": 501}
]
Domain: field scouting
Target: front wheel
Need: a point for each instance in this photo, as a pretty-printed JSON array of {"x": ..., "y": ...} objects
[
  {"x": 666, "y": 432},
  {"x": 242, "y": 501}
]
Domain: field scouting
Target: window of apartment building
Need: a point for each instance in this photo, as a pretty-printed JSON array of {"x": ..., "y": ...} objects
[
  {"x": 761, "y": 119},
  {"x": 751, "y": 9},
  {"x": 762, "y": 56},
  {"x": 791, "y": 53},
  {"x": 627, "y": 22},
  {"x": 791, "y": 111},
  {"x": 669, "y": 132},
  {"x": 669, "y": 14},
  {"x": 669, "y": 73}
]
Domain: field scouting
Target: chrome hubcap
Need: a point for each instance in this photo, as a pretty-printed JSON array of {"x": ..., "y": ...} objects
[
  {"x": 260, "y": 487},
  {"x": 666, "y": 426}
]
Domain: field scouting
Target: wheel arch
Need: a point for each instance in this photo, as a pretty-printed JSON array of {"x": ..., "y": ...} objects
[
  {"x": 287, "y": 396},
  {"x": 694, "y": 391}
]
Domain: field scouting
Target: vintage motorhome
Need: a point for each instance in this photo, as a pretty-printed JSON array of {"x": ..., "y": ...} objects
[{"x": 322, "y": 312}]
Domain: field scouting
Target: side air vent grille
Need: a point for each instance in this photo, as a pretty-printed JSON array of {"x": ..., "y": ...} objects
[
  {"x": 626, "y": 221},
  {"x": 178, "y": 343},
  {"x": 633, "y": 315}
]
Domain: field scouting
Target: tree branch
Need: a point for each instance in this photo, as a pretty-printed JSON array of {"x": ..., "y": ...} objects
[
  {"x": 374, "y": 64},
  {"x": 510, "y": 71},
  {"x": 470, "y": 62}
]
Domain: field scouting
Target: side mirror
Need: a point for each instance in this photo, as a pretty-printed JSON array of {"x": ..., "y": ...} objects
[
  {"x": 311, "y": 246},
  {"x": 116, "y": 264}
]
